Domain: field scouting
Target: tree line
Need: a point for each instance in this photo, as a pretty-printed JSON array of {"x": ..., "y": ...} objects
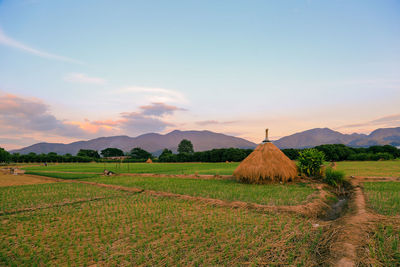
[
  {"x": 186, "y": 153},
  {"x": 340, "y": 152}
]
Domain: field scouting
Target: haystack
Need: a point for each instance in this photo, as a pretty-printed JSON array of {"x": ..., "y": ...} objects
[
  {"x": 149, "y": 160},
  {"x": 265, "y": 164}
]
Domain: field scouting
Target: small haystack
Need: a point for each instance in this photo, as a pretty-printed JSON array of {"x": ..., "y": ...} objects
[
  {"x": 149, "y": 160},
  {"x": 265, "y": 164}
]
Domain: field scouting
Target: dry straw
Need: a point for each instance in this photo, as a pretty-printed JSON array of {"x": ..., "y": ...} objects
[
  {"x": 265, "y": 164},
  {"x": 149, "y": 160}
]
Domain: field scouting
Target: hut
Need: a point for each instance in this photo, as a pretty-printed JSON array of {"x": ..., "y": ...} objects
[
  {"x": 266, "y": 163},
  {"x": 149, "y": 160}
]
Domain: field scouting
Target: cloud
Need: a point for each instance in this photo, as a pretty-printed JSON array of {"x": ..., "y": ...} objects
[
  {"x": 148, "y": 118},
  {"x": 386, "y": 121},
  {"x": 214, "y": 122},
  {"x": 20, "y": 115},
  {"x": 135, "y": 123},
  {"x": 8, "y": 41},
  {"x": 159, "y": 109},
  {"x": 83, "y": 78},
  {"x": 23, "y": 118},
  {"x": 155, "y": 95}
]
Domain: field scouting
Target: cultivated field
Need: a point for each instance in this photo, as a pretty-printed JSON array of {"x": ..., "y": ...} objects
[
  {"x": 83, "y": 218},
  {"x": 10, "y": 180},
  {"x": 383, "y": 245},
  {"x": 389, "y": 168},
  {"x": 113, "y": 227},
  {"x": 383, "y": 197}
]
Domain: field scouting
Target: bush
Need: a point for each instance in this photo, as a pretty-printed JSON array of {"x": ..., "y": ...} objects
[
  {"x": 310, "y": 161},
  {"x": 334, "y": 177}
]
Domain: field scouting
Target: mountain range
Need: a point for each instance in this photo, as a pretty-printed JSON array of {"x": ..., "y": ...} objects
[
  {"x": 320, "y": 136},
  {"x": 206, "y": 140},
  {"x": 152, "y": 142}
]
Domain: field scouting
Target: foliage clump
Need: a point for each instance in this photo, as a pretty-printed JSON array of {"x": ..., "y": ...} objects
[
  {"x": 89, "y": 153},
  {"x": 4, "y": 155},
  {"x": 112, "y": 152},
  {"x": 310, "y": 162},
  {"x": 140, "y": 154},
  {"x": 334, "y": 177}
]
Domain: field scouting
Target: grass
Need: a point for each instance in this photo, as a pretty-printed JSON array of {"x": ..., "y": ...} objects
[
  {"x": 383, "y": 197},
  {"x": 14, "y": 198},
  {"x": 144, "y": 230},
  {"x": 163, "y": 168},
  {"x": 389, "y": 168},
  {"x": 383, "y": 245},
  {"x": 61, "y": 175},
  {"x": 230, "y": 190}
]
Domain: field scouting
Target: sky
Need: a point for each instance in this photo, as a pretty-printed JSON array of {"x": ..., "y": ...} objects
[{"x": 76, "y": 70}]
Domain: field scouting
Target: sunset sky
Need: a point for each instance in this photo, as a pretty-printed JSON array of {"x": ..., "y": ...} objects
[{"x": 76, "y": 70}]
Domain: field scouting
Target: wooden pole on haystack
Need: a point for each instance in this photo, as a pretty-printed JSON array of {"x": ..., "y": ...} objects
[{"x": 266, "y": 140}]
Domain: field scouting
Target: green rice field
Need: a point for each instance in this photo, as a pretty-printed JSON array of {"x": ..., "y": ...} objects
[
  {"x": 383, "y": 197},
  {"x": 73, "y": 224},
  {"x": 231, "y": 190},
  {"x": 389, "y": 168},
  {"x": 159, "y": 168},
  {"x": 273, "y": 194},
  {"x": 137, "y": 229},
  {"x": 33, "y": 196},
  {"x": 383, "y": 248}
]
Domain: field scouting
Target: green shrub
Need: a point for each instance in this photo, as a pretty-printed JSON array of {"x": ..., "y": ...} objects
[
  {"x": 334, "y": 177},
  {"x": 310, "y": 161}
]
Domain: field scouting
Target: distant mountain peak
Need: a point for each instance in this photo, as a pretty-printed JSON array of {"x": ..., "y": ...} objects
[{"x": 319, "y": 136}]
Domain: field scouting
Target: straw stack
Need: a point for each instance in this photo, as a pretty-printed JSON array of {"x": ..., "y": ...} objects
[{"x": 265, "y": 164}]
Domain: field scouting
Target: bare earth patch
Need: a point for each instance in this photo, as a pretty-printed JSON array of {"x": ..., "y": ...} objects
[{"x": 11, "y": 180}]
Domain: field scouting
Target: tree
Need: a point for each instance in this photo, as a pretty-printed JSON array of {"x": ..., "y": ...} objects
[
  {"x": 138, "y": 153},
  {"x": 185, "y": 146},
  {"x": 4, "y": 155},
  {"x": 165, "y": 155},
  {"x": 112, "y": 152},
  {"x": 88, "y": 153}
]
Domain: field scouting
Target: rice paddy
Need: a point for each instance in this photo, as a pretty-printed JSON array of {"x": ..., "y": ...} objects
[
  {"x": 383, "y": 197},
  {"x": 273, "y": 194},
  {"x": 386, "y": 168},
  {"x": 76, "y": 224},
  {"x": 159, "y": 168},
  {"x": 390, "y": 168},
  {"x": 383, "y": 247},
  {"x": 15, "y": 198},
  {"x": 127, "y": 229}
]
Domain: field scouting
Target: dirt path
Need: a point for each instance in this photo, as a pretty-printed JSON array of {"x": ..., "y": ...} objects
[{"x": 349, "y": 233}]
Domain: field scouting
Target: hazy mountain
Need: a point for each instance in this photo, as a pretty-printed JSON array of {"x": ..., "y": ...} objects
[
  {"x": 152, "y": 142},
  {"x": 205, "y": 140},
  {"x": 319, "y": 136}
]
